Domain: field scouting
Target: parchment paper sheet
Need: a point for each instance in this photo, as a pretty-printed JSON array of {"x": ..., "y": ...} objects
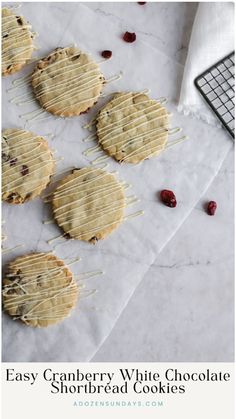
[{"x": 127, "y": 254}]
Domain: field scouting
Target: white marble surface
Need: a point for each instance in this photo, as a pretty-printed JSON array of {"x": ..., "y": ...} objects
[
  {"x": 183, "y": 310},
  {"x": 188, "y": 293},
  {"x": 157, "y": 59},
  {"x": 165, "y": 26}
]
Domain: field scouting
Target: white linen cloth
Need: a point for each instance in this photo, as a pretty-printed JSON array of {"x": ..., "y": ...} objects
[{"x": 211, "y": 40}]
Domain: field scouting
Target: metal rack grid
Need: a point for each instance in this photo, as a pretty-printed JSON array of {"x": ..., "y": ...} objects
[{"x": 216, "y": 85}]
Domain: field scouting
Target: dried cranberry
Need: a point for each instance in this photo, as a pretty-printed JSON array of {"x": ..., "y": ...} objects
[
  {"x": 24, "y": 170},
  {"x": 106, "y": 54},
  {"x": 168, "y": 198},
  {"x": 13, "y": 161},
  {"x": 19, "y": 20},
  {"x": 67, "y": 236},
  {"x": 93, "y": 239},
  {"x": 75, "y": 57},
  {"x": 211, "y": 207},
  {"x": 84, "y": 112},
  {"x": 142, "y": 3},
  {"x": 13, "y": 197},
  {"x": 129, "y": 36}
]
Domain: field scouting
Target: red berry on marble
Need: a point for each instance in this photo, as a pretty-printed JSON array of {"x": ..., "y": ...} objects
[
  {"x": 106, "y": 54},
  {"x": 168, "y": 198},
  {"x": 211, "y": 207},
  {"x": 129, "y": 36},
  {"x": 142, "y": 3}
]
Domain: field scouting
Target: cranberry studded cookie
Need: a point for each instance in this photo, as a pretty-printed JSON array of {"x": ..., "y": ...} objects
[
  {"x": 39, "y": 289},
  {"x": 17, "y": 42},
  {"x": 89, "y": 204},
  {"x": 27, "y": 165},
  {"x": 132, "y": 127},
  {"x": 67, "y": 82}
]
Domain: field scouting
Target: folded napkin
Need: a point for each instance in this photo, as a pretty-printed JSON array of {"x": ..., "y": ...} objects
[{"x": 212, "y": 38}]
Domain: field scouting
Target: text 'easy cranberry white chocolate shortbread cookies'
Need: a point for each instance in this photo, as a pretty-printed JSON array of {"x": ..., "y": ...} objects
[
  {"x": 39, "y": 289},
  {"x": 67, "y": 82},
  {"x": 27, "y": 165},
  {"x": 17, "y": 42},
  {"x": 89, "y": 204},
  {"x": 132, "y": 127}
]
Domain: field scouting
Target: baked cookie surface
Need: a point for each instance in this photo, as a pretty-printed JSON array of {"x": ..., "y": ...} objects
[
  {"x": 17, "y": 42},
  {"x": 39, "y": 289},
  {"x": 67, "y": 82},
  {"x": 27, "y": 165},
  {"x": 89, "y": 204},
  {"x": 132, "y": 127}
]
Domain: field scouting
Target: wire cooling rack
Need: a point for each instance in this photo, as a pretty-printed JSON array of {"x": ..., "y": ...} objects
[{"x": 217, "y": 87}]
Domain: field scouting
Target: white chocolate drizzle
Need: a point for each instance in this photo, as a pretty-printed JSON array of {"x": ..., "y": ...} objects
[
  {"x": 76, "y": 83},
  {"x": 88, "y": 275},
  {"x": 138, "y": 131},
  {"x": 100, "y": 160},
  {"x": 31, "y": 286},
  {"x": 151, "y": 137},
  {"x": 129, "y": 200},
  {"x": 36, "y": 286},
  {"x": 71, "y": 89},
  {"x": 23, "y": 171},
  {"x": 17, "y": 44},
  {"x": 178, "y": 141},
  {"x": 72, "y": 215},
  {"x": 106, "y": 199},
  {"x": 11, "y": 249},
  {"x": 135, "y": 214},
  {"x": 94, "y": 120},
  {"x": 159, "y": 134}
]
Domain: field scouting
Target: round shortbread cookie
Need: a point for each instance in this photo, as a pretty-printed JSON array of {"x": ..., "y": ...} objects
[
  {"x": 132, "y": 127},
  {"x": 17, "y": 42},
  {"x": 39, "y": 289},
  {"x": 27, "y": 165},
  {"x": 67, "y": 82},
  {"x": 89, "y": 204}
]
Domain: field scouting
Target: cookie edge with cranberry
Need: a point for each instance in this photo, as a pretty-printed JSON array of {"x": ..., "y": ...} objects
[
  {"x": 17, "y": 199},
  {"x": 16, "y": 67},
  {"x": 55, "y": 109},
  {"x": 100, "y": 124},
  {"x": 12, "y": 266}
]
